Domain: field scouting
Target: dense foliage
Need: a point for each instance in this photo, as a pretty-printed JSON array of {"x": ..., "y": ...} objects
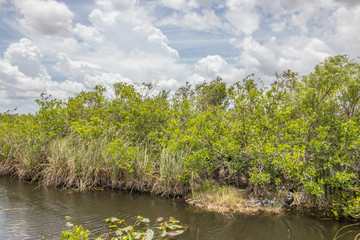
[{"x": 301, "y": 132}]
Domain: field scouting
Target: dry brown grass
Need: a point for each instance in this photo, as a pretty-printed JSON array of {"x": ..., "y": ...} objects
[{"x": 226, "y": 199}]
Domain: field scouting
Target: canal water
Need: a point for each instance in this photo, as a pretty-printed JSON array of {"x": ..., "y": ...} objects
[{"x": 31, "y": 212}]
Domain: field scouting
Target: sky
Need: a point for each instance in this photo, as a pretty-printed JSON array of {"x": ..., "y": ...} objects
[{"x": 64, "y": 47}]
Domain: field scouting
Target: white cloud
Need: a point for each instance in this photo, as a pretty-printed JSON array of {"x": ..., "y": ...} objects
[
  {"x": 346, "y": 23},
  {"x": 75, "y": 70},
  {"x": 207, "y": 20},
  {"x": 175, "y": 4},
  {"x": 23, "y": 78},
  {"x": 298, "y": 16},
  {"x": 185, "y": 5},
  {"x": 132, "y": 47},
  {"x": 213, "y": 66},
  {"x": 120, "y": 5},
  {"x": 129, "y": 33},
  {"x": 298, "y": 54},
  {"x": 259, "y": 57},
  {"x": 203, "y": 3},
  {"x": 349, "y": 2},
  {"x": 278, "y": 26},
  {"x": 275, "y": 7},
  {"x": 45, "y": 17},
  {"x": 243, "y": 16},
  {"x": 300, "y": 19},
  {"x": 20, "y": 91},
  {"x": 88, "y": 34},
  {"x": 27, "y": 57},
  {"x": 170, "y": 84},
  {"x": 12, "y": 78},
  {"x": 165, "y": 42},
  {"x": 86, "y": 73},
  {"x": 124, "y": 43}
]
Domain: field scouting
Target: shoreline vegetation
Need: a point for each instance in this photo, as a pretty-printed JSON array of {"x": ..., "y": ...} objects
[
  {"x": 142, "y": 228},
  {"x": 214, "y": 142}
]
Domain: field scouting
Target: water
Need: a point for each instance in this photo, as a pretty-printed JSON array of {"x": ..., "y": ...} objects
[{"x": 29, "y": 212}]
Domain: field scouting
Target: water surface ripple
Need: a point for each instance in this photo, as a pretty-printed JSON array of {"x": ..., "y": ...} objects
[{"x": 30, "y": 212}]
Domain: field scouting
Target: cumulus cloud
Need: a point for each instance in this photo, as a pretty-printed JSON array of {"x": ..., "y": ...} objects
[
  {"x": 120, "y": 5},
  {"x": 13, "y": 79},
  {"x": 213, "y": 66},
  {"x": 204, "y": 3},
  {"x": 27, "y": 57},
  {"x": 88, "y": 34},
  {"x": 349, "y": 2},
  {"x": 243, "y": 16},
  {"x": 23, "y": 78},
  {"x": 129, "y": 33},
  {"x": 169, "y": 84},
  {"x": 86, "y": 73},
  {"x": 206, "y": 20},
  {"x": 75, "y": 70},
  {"x": 165, "y": 42},
  {"x": 240, "y": 16},
  {"x": 347, "y": 29},
  {"x": 277, "y": 26},
  {"x": 182, "y": 5},
  {"x": 45, "y": 17},
  {"x": 118, "y": 39},
  {"x": 132, "y": 47},
  {"x": 175, "y": 4},
  {"x": 299, "y": 54}
]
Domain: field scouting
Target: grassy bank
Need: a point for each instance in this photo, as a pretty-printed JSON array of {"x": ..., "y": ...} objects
[
  {"x": 213, "y": 197},
  {"x": 301, "y": 132},
  {"x": 71, "y": 162}
]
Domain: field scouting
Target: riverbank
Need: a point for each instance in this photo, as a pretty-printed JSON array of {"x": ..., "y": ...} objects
[
  {"x": 43, "y": 210},
  {"x": 297, "y": 133},
  {"x": 207, "y": 195},
  {"x": 71, "y": 162},
  {"x": 226, "y": 199}
]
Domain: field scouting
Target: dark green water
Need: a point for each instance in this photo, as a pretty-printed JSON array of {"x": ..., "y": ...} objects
[{"x": 28, "y": 212}]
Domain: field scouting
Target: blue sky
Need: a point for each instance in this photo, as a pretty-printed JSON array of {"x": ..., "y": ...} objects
[{"x": 63, "y": 47}]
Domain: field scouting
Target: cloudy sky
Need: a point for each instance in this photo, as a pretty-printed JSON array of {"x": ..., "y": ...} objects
[{"x": 63, "y": 47}]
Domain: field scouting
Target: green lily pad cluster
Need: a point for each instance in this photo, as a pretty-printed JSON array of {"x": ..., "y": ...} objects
[{"x": 140, "y": 229}]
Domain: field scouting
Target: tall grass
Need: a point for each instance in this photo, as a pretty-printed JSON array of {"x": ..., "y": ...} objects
[
  {"x": 171, "y": 166},
  {"x": 19, "y": 157},
  {"x": 70, "y": 161},
  {"x": 74, "y": 162}
]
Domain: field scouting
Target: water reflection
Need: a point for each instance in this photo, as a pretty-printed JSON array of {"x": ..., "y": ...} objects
[{"x": 29, "y": 212}]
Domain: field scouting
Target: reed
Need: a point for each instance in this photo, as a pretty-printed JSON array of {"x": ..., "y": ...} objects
[
  {"x": 19, "y": 156},
  {"x": 171, "y": 166},
  {"x": 73, "y": 162},
  {"x": 156, "y": 170}
]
